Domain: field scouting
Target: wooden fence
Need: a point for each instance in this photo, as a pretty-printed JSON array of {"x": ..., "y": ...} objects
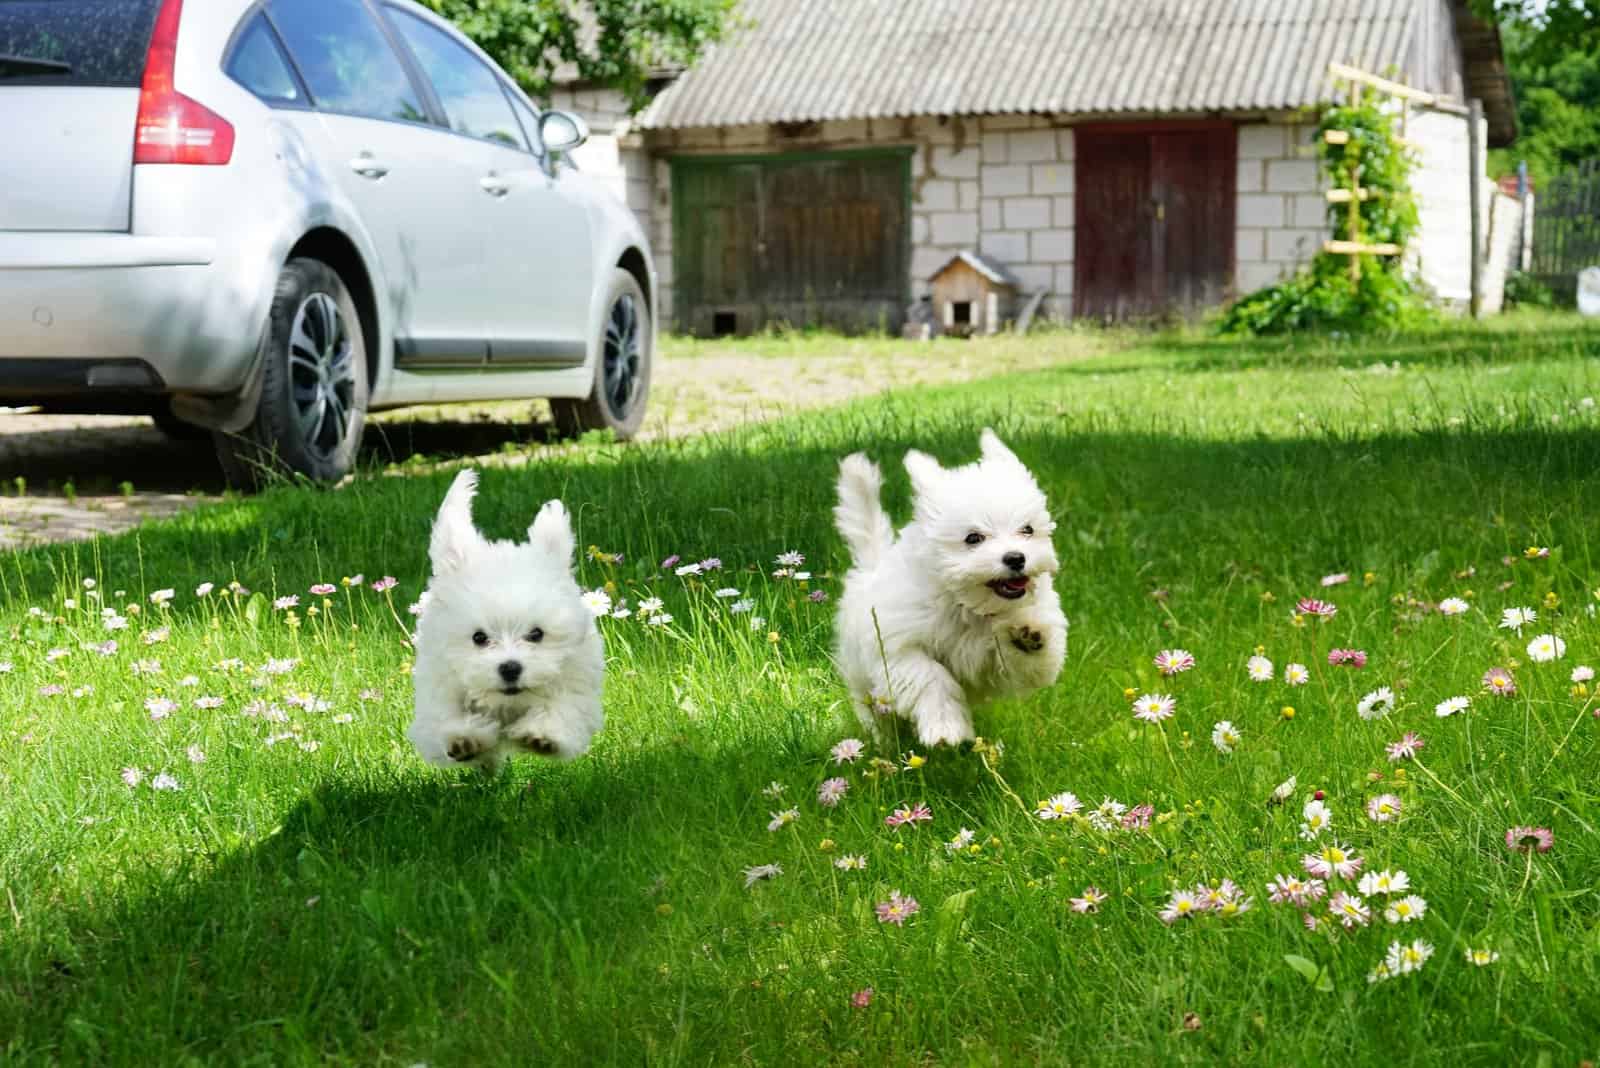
[{"x": 1566, "y": 226}]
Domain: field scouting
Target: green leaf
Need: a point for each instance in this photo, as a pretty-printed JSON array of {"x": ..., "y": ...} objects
[{"x": 1302, "y": 965}]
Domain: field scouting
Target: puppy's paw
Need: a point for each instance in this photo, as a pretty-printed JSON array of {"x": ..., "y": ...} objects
[
  {"x": 535, "y": 743},
  {"x": 1027, "y": 639},
  {"x": 943, "y": 731},
  {"x": 463, "y": 748}
]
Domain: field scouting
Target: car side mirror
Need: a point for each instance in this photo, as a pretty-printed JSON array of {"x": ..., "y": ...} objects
[{"x": 562, "y": 131}]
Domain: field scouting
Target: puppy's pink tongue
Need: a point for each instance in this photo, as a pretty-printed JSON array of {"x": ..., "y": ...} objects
[{"x": 1015, "y": 584}]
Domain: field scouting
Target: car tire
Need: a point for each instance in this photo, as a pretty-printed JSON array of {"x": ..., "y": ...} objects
[
  {"x": 616, "y": 400},
  {"x": 313, "y": 402}
]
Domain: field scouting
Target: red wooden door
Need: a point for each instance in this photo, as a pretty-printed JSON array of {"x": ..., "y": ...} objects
[{"x": 1155, "y": 218}]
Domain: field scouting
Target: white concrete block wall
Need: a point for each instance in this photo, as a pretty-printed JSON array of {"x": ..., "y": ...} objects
[
  {"x": 1441, "y": 252},
  {"x": 1280, "y": 214}
]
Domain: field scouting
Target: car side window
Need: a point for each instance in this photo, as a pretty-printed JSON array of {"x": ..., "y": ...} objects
[
  {"x": 346, "y": 60},
  {"x": 258, "y": 64},
  {"x": 468, "y": 90},
  {"x": 530, "y": 122}
]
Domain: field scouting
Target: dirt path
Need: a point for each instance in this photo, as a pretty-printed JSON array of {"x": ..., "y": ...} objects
[{"x": 66, "y": 477}]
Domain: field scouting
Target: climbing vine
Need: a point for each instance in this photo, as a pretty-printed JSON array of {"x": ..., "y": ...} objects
[{"x": 1363, "y": 153}]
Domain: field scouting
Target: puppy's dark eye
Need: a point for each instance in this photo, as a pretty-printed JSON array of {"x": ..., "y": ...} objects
[
  {"x": 536, "y": 634},
  {"x": 974, "y": 538},
  {"x": 1027, "y": 531},
  {"x": 479, "y": 638}
]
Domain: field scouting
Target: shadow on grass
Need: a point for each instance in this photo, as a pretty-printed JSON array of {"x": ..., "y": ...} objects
[
  {"x": 97, "y": 460},
  {"x": 377, "y": 917}
]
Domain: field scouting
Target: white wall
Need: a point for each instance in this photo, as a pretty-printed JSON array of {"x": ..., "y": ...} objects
[{"x": 1281, "y": 213}]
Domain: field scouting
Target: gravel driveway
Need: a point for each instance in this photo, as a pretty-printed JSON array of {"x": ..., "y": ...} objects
[{"x": 65, "y": 477}]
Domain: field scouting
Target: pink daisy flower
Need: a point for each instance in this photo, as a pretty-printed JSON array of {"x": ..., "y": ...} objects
[
  {"x": 847, "y": 751},
  {"x": 1295, "y": 890},
  {"x": 1154, "y": 707},
  {"x": 1384, "y": 808},
  {"x": 832, "y": 791},
  {"x": 1311, "y": 606},
  {"x": 1332, "y": 859},
  {"x": 1349, "y": 910},
  {"x": 912, "y": 814},
  {"x": 897, "y": 909},
  {"x": 323, "y": 589},
  {"x": 861, "y": 998},
  {"x": 1137, "y": 818},
  {"x": 1347, "y": 657},
  {"x": 388, "y": 582},
  {"x": 1406, "y": 748},
  {"x": 1174, "y": 661},
  {"x": 1337, "y": 579},
  {"x": 1529, "y": 839},
  {"x": 1498, "y": 681},
  {"x": 1090, "y": 901}
]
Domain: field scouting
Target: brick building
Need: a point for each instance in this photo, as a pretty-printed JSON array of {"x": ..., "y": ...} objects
[{"x": 1128, "y": 158}]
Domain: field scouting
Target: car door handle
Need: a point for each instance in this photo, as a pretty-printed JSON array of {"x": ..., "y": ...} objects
[
  {"x": 494, "y": 185},
  {"x": 368, "y": 167}
]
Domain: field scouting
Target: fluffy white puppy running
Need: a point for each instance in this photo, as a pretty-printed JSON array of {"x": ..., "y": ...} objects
[
  {"x": 960, "y": 607},
  {"x": 508, "y": 657}
]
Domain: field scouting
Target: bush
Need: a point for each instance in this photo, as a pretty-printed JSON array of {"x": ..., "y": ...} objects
[
  {"x": 1322, "y": 296},
  {"x": 1526, "y": 291}
]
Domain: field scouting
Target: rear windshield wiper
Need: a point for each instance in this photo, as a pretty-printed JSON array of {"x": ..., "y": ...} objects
[{"x": 23, "y": 66}]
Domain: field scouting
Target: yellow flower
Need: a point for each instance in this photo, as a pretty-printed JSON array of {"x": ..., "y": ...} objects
[
  {"x": 1129, "y": 693},
  {"x": 1399, "y": 773},
  {"x": 1580, "y": 690},
  {"x": 827, "y": 845},
  {"x": 772, "y": 636},
  {"x": 1287, "y": 711},
  {"x": 664, "y": 909},
  {"x": 914, "y": 761},
  {"x": 1368, "y": 578},
  {"x": 1551, "y": 600},
  {"x": 1267, "y": 597}
]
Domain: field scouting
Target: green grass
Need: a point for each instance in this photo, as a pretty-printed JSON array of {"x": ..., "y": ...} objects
[{"x": 342, "y": 903}]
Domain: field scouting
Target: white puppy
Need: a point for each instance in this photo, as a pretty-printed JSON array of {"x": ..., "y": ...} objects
[
  {"x": 508, "y": 657},
  {"x": 957, "y": 609}
]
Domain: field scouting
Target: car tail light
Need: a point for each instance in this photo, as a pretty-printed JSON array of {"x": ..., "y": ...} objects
[{"x": 172, "y": 128}]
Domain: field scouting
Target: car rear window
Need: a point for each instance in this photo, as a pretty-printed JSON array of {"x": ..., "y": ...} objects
[{"x": 99, "y": 42}]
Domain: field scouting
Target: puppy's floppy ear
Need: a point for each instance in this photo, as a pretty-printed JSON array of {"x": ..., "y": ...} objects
[
  {"x": 552, "y": 532},
  {"x": 925, "y": 472},
  {"x": 993, "y": 449},
  {"x": 454, "y": 537}
]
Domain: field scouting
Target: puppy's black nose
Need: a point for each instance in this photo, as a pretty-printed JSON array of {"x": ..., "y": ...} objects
[
  {"x": 1015, "y": 561},
  {"x": 510, "y": 671}
]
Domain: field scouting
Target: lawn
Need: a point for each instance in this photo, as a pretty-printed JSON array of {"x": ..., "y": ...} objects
[{"x": 283, "y": 882}]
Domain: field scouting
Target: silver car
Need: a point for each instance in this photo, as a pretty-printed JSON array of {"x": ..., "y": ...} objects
[{"x": 261, "y": 219}]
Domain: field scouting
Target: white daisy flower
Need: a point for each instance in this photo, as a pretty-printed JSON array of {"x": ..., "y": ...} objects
[
  {"x": 1377, "y": 704},
  {"x": 1296, "y": 675},
  {"x": 1259, "y": 669},
  {"x": 1545, "y": 648},
  {"x": 1225, "y": 736},
  {"x": 1315, "y": 818},
  {"x": 598, "y": 602},
  {"x": 1453, "y": 606},
  {"x": 1514, "y": 619},
  {"x": 1450, "y": 706},
  {"x": 1406, "y": 909}
]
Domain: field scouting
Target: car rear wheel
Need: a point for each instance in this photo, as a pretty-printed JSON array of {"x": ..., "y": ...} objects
[
  {"x": 314, "y": 385},
  {"x": 622, "y": 371}
]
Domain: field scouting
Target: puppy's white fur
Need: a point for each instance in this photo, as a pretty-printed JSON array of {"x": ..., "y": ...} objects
[
  {"x": 508, "y": 657},
  {"x": 923, "y": 630}
]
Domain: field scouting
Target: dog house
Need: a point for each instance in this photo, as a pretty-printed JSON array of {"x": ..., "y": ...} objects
[{"x": 973, "y": 295}]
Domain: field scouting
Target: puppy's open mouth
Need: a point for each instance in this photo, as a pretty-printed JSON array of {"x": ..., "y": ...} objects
[
  {"x": 1010, "y": 588},
  {"x": 511, "y": 691}
]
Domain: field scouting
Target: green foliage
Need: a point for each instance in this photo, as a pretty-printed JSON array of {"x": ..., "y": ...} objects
[
  {"x": 1322, "y": 296},
  {"x": 1552, "y": 29},
  {"x": 1527, "y": 291},
  {"x": 624, "y": 44},
  {"x": 1558, "y": 107}
]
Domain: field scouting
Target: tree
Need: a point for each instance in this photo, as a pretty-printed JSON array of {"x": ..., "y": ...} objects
[
  {"x": 619, "y": 43},
  {"x": 1557, "y": 90},
  {"x": 1555, "y": 28}
]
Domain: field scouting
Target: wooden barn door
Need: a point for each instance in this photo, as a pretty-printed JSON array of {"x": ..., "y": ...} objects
[
  {"x": 806, "y": 240},
  {"x": 1155, "y": 220}
]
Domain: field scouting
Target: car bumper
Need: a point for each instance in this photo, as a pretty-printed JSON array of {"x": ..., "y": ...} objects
[{"x": 94, "y": 301}]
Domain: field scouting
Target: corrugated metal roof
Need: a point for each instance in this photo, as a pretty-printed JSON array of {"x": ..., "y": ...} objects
[{"x": 811, "y": 60}]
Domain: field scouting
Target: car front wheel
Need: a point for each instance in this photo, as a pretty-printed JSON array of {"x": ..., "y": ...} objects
[
  {"x": 313, "y": 402},
  {"x": 622, "y": 371}
]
